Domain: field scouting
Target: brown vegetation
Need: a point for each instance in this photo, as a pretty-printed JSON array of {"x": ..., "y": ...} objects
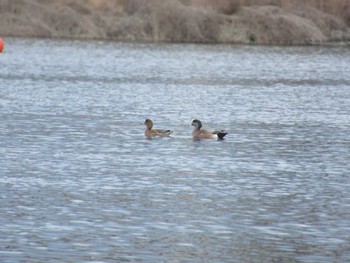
[{"x": 285, "y": 22}]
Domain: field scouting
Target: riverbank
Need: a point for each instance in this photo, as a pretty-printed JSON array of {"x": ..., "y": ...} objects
[{"x": 274, "y": 22}]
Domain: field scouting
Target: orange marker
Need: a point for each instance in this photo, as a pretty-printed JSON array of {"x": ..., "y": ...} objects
[{"x": 1, "y": 45}]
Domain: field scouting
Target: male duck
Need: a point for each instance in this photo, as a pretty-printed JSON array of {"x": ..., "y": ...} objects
[
  {"x": 204, "y": 134},
  {"x": 149, "y": 132}
]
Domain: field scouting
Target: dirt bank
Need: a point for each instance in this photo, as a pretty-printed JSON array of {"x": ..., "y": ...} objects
[{"x": 285, "y": 22}]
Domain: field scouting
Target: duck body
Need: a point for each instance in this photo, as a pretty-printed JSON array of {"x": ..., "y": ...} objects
[
  {"x": 199, "y": 133},
  {"x": 149, "y": 132}
]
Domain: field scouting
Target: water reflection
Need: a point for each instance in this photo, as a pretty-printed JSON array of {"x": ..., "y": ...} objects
[{"x": 79, "y": 182}]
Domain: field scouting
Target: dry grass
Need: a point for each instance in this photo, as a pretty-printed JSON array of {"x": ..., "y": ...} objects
[
  {"x": 338, "y": 8},
  {"x": 211, "y": 21}
]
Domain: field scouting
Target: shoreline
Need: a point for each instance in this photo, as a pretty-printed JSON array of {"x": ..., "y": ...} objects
[{"x": 344, "y": 44}]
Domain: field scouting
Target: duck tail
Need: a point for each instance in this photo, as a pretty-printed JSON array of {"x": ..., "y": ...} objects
[{"x": 221, "y": 135}]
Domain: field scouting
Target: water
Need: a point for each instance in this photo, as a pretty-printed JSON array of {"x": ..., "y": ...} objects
[{"x": 79, "y": 182}]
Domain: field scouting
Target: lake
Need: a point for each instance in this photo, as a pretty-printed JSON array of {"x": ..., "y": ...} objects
[{"x": 79, "y": 182}]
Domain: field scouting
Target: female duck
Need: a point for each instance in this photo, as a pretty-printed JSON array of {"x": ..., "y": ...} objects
[
  {"x": 199, "y": 133},
  {"x": 149, "y": 132}
]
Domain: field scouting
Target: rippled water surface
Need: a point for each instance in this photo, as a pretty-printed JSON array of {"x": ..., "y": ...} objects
[{"x": 79, "y": 182}]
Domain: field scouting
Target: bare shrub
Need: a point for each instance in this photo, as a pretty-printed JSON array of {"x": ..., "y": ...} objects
[{"x": 175, "y": 22}]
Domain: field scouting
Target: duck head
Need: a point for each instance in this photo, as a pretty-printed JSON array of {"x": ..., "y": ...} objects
[
  {"x": 149, "y": 123},
  {"x": 196, "y": 123}
]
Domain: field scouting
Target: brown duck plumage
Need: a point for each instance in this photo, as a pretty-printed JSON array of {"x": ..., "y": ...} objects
[
  {"x": 149, "y": 132},
  {"x": 199, "y": 133}
]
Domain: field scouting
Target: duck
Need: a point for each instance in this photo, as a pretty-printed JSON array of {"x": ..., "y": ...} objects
[
  {"x": 149, "y": 132},
  {"x": 199, "y": 133}
]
